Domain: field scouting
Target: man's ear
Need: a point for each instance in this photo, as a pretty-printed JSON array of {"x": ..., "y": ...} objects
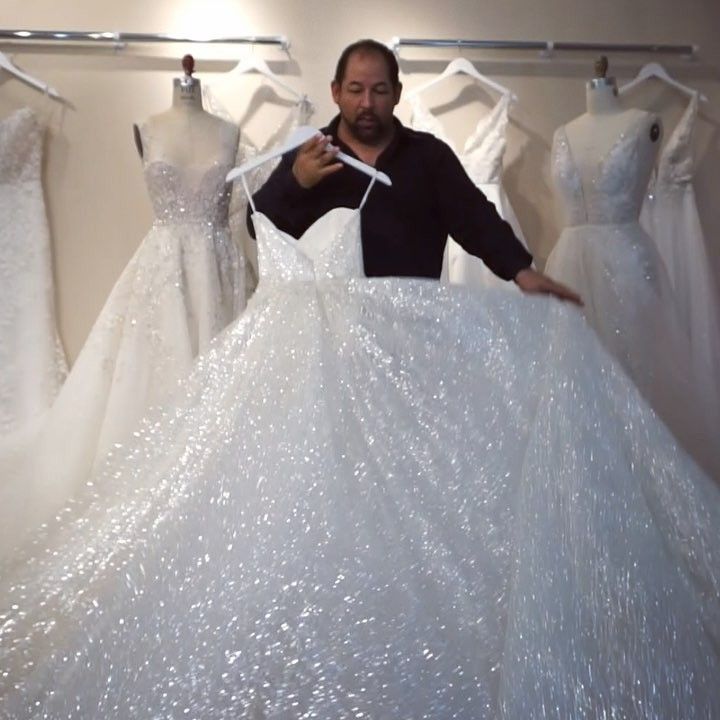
[
  {"x": 398, "y": 92},
  {"x": 335, "y": 90}
]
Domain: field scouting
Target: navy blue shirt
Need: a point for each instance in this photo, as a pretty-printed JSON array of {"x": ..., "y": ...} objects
[{"x": 404, "y": 227}]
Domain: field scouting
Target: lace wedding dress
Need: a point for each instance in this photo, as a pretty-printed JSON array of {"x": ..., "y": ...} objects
[
  {"x": 605, "y": 255},
  {"x": 670, "y": 215},
  {"x": 482, "y": 158},
  {"x": 182, "y": 286},
  {"x": 32, "y": 361},
  {"x": 379, "y": 498}
]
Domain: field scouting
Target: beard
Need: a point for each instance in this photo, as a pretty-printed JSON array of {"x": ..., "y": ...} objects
[{"x": 368, "y": 128}]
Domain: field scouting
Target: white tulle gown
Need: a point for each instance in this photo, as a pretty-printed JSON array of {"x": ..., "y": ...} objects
[
  {"x": 32, "y": 361},
  {"x": 482, "y": 158},
  {"x": 670, "y": 215},
  {"x": 182, "y": 286},
  {"x": 382, "y": 498},
  {"x": 605, "y": 255}
]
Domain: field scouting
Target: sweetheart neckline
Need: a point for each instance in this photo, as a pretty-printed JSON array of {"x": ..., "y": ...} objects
[{"x": 297, "y": 243}]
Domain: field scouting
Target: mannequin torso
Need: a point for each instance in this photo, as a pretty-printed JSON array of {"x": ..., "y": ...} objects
[
  {"x": 593, "y": 135},
  {"x": 185, "y": 134}
]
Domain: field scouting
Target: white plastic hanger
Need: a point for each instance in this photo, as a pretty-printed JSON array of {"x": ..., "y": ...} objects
[
  {"x": 301, "y": 135},
  {"x": 6, "y": 64},
  {"x": 462, "y": 65},
  {"x": 254, "y": 63},
  {"x": 655, "y": 70}
]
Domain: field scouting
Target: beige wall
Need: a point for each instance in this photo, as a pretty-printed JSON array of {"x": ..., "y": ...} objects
[{"x": 96, "y": 200}]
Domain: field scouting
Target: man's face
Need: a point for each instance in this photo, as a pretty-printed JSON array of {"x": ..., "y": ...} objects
[{"x": 366, "y": 97}]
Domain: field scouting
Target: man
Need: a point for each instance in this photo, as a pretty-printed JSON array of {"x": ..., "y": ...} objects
[{"x": 404, "y": 227}]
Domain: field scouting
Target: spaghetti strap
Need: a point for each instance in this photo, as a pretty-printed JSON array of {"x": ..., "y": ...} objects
[
  {"x": 367, "y": 192},
  {"x": 247, "y": 192}
]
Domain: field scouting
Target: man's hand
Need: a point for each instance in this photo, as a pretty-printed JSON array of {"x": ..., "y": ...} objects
[
  {"x": 535, "y": 283},
  {"x": 315, "y": 160}
]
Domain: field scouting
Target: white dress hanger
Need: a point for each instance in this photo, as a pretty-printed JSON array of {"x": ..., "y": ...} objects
[
  {"x": 301, "y": 135},
  {"x": 7, "y": 64},
  {"x": 462, "y": 65},
  {"x": 657, "y": 71},
  {"x": 254, "y": 63}
]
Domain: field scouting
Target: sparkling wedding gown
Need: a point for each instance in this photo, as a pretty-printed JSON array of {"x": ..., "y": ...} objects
[
  {"x": 32, "y": 362},
  {"x": 606, "y": 256},
  {"x": 670, "y": 215},
  {"x": 182, "y": 286},
  {"x": 482, "y": 158},
  {"x": 381, "y": 498}
]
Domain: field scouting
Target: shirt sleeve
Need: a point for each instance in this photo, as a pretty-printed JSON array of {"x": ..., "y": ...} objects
[
  {"x": 283, "y": 200},
  {"x": 473, "y": 221}
]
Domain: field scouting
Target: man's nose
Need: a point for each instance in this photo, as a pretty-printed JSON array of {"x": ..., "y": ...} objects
[{"x": 366, "y": 99}]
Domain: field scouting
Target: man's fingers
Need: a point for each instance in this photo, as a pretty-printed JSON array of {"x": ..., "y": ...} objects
[
  {"x": 565, "y": 293},
  {"x": 330, "y": 169}
]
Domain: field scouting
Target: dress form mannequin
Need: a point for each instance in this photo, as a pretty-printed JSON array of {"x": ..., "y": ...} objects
[
  {"x": 593, "y": 134},
  {"x": 189, "y": 134}
]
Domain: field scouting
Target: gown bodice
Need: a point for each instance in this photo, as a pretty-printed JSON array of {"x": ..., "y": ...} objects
[
  {"x": 196, "y": 193},
  {"x": 675, "y": 165},
  {"x": 20, "y": 147},
  {"x": 609, "y": 192},
  {"x": 483, "y": 151},
  {"x": 331, "y": 247}
]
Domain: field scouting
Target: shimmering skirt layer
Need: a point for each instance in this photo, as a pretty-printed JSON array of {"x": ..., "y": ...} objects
[
  {"x": 181, "y": 287},
  {"x": 380, "y": 499},
  {"x": 632, "y": 307}
]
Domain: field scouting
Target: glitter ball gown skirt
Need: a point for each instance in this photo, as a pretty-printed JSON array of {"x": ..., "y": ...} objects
[
  {"x": 176, "y": 293},
  {"x": 380, "y": 498}
]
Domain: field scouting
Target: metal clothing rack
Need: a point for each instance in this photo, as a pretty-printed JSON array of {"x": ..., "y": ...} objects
[
  {"x": 120, "y": 39},
  {"x": 547, "y": 47}
]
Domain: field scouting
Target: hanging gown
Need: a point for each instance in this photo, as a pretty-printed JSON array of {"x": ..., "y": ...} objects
[
  {"x": 299, "y": 114},
  {"x": 32, "y": 361},
  {"x": 181, "y": 287},
  {"x": 381, "y": 498},
  {"x": 482, "y": 158},
  {"x": 670, "y": 216},
  {"x": 606, "y": 256}
]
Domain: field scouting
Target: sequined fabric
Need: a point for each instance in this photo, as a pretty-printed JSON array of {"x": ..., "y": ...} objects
[
  {"x": 606, "y": 256},
  {"x": 32, "y": 361},
  {"x": 181, "y": 287},
  {"x": 670, "y": 215},
  {"x": 482, "y": 158},
  {"x": 379, "y": 498}
]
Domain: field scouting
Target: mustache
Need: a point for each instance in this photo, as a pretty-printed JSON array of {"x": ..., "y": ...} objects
[{"x": 367, "y": 116}]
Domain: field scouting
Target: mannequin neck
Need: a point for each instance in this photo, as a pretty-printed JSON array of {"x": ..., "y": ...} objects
[
  {"x": 187, "y": 95},
  {"x": 601, "y": 95}
]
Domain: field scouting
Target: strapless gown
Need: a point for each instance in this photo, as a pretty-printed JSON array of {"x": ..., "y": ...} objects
[
  {"x": 381, "y": 498},
  {"x": 181, "y": 287}
]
